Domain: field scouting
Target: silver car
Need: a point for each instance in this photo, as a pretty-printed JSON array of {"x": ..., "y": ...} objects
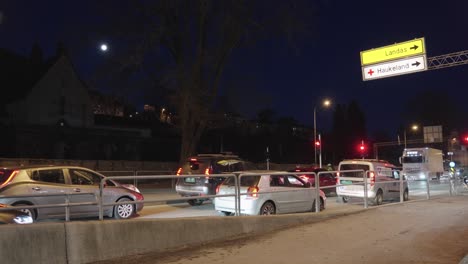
[
  {"x": 268, "y": 192},
  {"x": 46, "y": 185}
]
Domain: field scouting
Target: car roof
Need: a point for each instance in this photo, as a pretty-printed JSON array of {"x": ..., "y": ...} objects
[
  {"x": 307, "y": 169},
  {"x": 43, "y": 166},
  {"x": 259, "y": 172}
]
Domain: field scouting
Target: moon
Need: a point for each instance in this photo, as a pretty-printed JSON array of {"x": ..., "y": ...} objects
[{"x": 104, "y": 47}]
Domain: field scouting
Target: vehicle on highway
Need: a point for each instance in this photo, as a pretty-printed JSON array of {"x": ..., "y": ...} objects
[
  {"x": 268, "y": 192},
  {"x": 382, "y": 180},
  {"x": 47, "y": 185},
  {"x": 326, "y": 178},
  {"x": 14, "y": 216},
  {"x": 205, "y": 164},
  {"x": 422, "y": 163}
]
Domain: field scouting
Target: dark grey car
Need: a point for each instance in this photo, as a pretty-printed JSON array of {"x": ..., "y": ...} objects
[
  {"x": 205, "y": 164},
  {"x": 47, "y": 185}
]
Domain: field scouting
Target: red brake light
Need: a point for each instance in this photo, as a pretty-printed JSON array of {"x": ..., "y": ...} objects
[
  {"x": 371, "y": 175},
  {"x": 179, "y": 171},
  {"x": 9, "y": 178},
  {"x": 217, "y": 188},
  {"x": 337, "y": 178},
  {"x": 193, "y": 159},
  {"x": 253, "y": 191}
]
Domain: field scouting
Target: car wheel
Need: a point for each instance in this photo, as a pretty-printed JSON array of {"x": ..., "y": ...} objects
[
  {"x": 195, "y": 202},
  {"x": 405, "y": 195},
  {"x": 123, "y": 211},
  {"x": 268, "y": 208},
  {"x": 378, "y": 200},
  {"x": 345, "y": 199},
  {"x": 322, "y": 205},
  {"x": 31, "y": 212}
]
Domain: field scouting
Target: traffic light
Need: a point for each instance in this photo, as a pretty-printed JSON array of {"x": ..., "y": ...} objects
[
  {"x": 362, "y": 149},
  {"x": 317, "y": 143},
  {"x": 464, "y": 139}
]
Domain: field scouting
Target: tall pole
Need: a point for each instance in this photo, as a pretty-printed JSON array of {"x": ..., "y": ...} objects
[
  {"x": 404, "y": 136},
  {"x": 320, "y": 151},
  {"x": 315, "y": 135}
]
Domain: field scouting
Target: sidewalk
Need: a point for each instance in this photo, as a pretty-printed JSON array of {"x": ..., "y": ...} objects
[{"x": 433, "y": 231}]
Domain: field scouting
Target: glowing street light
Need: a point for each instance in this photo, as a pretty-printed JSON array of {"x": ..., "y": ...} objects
[
  {"x": 413, "y": 128},
  {"x": 325, "y": 103}
]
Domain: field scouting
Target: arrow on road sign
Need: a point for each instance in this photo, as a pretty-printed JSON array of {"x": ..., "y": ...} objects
[
  {"x": 416, "y": 63},
  {"x": 415, "y": 47}
]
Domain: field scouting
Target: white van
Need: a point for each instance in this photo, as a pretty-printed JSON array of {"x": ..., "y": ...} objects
[{"x": 382, "y": 180}]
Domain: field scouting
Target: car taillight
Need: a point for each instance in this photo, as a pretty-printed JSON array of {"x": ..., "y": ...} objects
[
  {"x": 139, "y": 196},
  {"x": 179, "y": 171},
  {"x": 208, "y": 171},
  {"x": 337, "y": 178},
  {"x": 252, "y": 191},
  {"x": 371, "y": 176},
  {"x": 9, "y": 178},
  {"x": 217, "y": 188}
]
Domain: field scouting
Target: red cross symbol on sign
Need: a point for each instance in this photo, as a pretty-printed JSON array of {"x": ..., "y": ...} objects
[{"x": 370, "y": 72}]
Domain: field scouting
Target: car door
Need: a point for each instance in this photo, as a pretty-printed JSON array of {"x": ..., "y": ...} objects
[
  {"x": 280, "y": 193},
  {"x": 47, "y": 182},
  {"x": 85, "y": 185},
  {"x": 300, "y": 196}
]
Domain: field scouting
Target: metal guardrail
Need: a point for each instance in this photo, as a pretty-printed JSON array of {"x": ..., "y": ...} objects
[
  {"x": 67, "y": 204},
  {"x": 100, "y": 204}
]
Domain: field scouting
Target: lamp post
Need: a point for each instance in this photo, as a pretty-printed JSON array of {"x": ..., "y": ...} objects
[
  {"x": 414, "y": 128},
  {"x": 325, "y": 103}
]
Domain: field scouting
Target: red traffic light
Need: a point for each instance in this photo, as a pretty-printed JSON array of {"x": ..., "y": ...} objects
[
  {"x": 317, "y": 143},
  {"x": 362, "y": 148}
]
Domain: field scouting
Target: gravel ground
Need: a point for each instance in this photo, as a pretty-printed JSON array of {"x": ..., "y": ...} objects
[{"x": 434, "y": 231}]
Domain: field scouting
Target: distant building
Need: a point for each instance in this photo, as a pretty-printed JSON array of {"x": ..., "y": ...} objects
[
  {"x": 106, "y": 105},
  {"x": 58, "y": 97}
]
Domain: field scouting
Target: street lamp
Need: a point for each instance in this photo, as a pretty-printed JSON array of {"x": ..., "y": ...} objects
[
  {"x": 413, "y": 128},
  {"x": 325, "y": 103}
]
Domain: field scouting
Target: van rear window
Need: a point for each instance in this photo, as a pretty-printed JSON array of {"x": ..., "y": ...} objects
[
  {"x": 353, "y": 170},
  {"x": 246, "y": 181}
]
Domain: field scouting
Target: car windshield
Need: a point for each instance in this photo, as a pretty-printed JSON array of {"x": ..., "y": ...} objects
[
  {"x": 358, "y": 170},
  {"x": 4, "y": 174},
  {"x": 246, "y": 180}
]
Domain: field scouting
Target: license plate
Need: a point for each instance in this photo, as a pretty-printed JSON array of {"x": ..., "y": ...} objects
[
  {"x": 346, "y": 182},
  {"x": 190, "y": 180}
]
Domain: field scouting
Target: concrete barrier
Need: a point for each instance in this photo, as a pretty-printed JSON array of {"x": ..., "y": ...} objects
[
  {"x": 37, "y": 243},
  {"x": 89, "y": 241},
  {"x": 94, "y": 241}
]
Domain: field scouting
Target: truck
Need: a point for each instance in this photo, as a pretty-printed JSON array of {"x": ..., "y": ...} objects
[{"x": 422, "y": 163}]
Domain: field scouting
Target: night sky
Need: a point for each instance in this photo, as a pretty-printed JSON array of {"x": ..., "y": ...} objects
[{"x": 328, "y": 64}]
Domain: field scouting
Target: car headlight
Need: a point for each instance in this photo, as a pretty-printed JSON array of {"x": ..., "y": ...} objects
[{"x": 23, "y": 219}]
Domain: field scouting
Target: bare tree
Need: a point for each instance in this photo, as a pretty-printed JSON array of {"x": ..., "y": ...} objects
[{"x": 184, "y": 45}]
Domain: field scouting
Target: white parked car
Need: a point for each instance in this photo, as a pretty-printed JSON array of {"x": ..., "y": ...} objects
[{"x": 268, "y": 192}]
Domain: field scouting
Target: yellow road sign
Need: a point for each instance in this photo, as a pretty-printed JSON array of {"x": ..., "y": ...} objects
[{"x": 392, "y": 52}]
